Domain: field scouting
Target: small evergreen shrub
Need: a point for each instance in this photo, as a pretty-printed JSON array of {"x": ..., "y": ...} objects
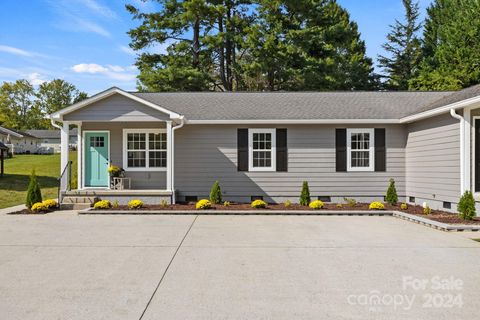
[
  {"x": 317, "y": 204},
  {"x": 203, "y": 204},
  {"x": 135, "y": 204},
  {"x": 376, "y": 206},
  {"x": 391, "y": 197},
  {"x": 466, "y": 206},
  {"x": 404, "y": 206},
  {"x": 305, "y": 195},
  {"x": 34, "y": 195},
  {"x": 102, "y": 204},
  {"x": 216, "y": 193},
  {"x": 259, "y": 204},
  {"x": 287, "y": 204},
  {"x": 115, "y": 204},
  {"x": 226, "y": 204},
  {"x": 350, "y": 202}
]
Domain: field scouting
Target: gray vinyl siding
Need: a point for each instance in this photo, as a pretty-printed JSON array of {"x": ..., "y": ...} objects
[
  {"x": 433, "y": 159},
  {"x": 116, "y": 108},
  {"x": 205, "y": 153},
  {"x": 140, "y": 180}
]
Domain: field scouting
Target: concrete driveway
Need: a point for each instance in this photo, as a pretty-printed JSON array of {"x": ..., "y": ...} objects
[{"x": 65, "y": 266}]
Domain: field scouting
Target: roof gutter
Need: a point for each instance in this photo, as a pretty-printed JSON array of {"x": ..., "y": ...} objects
[
  {"x": 462, "y": 147},
  {"x": 54, "y": 124}
]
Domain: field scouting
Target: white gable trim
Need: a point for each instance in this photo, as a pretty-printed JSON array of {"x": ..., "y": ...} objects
[
  {"x": 444, "y": 109},
  {"x": 105, "y": 94}
]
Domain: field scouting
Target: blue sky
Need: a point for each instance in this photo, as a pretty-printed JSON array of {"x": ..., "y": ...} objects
[{"x": 85, "y": 41}]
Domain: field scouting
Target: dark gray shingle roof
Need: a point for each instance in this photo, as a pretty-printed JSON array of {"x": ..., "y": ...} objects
[
  {"x": 50, "y": 134},
  {"x": 293, "y": 105},
  {"x": 457, "y": 96}
]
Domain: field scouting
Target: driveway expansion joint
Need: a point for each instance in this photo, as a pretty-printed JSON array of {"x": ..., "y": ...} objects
[{"x": 168, "y": 266}]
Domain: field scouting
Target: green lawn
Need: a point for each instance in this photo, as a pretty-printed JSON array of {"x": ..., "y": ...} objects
[{"x": 13, "y": 185}]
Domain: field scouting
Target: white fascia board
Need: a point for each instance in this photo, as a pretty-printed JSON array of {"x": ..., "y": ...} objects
[
  {"x": 105, "y": 94},
  {"x": 12, "y": 133},
  {"x": 297, "y": 121},
  {"x": 440, "y": 110}
]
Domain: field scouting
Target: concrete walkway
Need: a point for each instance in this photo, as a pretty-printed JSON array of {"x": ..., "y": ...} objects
[{"x": 66, "y": 266}]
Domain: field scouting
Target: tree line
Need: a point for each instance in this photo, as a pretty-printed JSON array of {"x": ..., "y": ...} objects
[
  {"x": 267, "y": 45},
  {"x": 22, "y": 106}
]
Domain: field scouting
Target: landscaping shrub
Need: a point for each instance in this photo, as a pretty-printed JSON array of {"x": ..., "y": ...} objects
[
  {"x": 466, "y": 206},
  {"x": 163, "y": 203},
  {"x": 135, "y": 204},
  {"x": 376, "y": 206},
  {"x": 287, "y": 204},
  {"x": 114, "y": 171},
  {"x": 259, "y": 204},
  {"x": 305, "y": 195},
  {"x": 339, "y": 205},
  {"x": 115, "y": 204},
  {"x": 226, "y": 204},
  {"x": 216, "y": 193},
  {"x": 203, "y": 204},
  {"x": 39, "y": 207},
  {"x": 391, "y": 197},
  {"x": 50, "y": 203},
  {"x": 404, "y": 206},
  {"x": 102, "y": 204},
  {"x": 317, "y": 204},
  {"x": 427, "y": 210},
  {"x": 34, "y": 194},
  {"x": 350, "y": 202}
]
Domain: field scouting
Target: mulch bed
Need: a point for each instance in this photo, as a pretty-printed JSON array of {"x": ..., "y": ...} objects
[
  {"x": 436, "y": 215},
  {"x": 29, "y": 212}
]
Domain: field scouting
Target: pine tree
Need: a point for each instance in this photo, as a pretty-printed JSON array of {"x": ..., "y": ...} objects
[
  {"x": 466, "y": 206},
  {"x": 216, "y": 193},
  {"x": 305, "y": 195},
  {"x": 34, "y": 194},
  {"x": 404, "y": 49},
  {"x": 451, "y": 50},
  {"x": 391, "y": 197}
]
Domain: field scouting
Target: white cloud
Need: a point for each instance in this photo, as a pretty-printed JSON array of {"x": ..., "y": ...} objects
[
  {"x": 16, "y": 51},
  {"x": 80, "y": 15},
  {"x": 127, "y": 50},
  {"x": 110, "y": 71},
  {"x": 35, "y": 78}
]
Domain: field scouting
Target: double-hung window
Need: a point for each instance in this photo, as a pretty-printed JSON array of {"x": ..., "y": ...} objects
[
  {"x": 145, "y": 149},
  {"x": 360, "y": 149},
  {"x": 262, "y": 149}
]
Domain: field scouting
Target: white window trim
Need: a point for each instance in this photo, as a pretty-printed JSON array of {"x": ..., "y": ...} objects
[
  {"x": 371, "y": 149},
  {"x": 125, "y": 154},
  {"x": 273, "y": 132}
]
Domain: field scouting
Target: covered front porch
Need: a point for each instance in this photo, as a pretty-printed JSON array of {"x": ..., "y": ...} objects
[{"x": 119, "y": 131}]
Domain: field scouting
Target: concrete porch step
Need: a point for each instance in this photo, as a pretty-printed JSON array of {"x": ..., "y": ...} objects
[{"x": 79, "y": 200}]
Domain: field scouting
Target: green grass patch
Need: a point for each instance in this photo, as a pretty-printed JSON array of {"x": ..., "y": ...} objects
[{"x": 13, "y": 185}]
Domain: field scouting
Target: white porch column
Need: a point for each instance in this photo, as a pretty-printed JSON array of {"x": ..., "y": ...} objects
[
  {"x": 169, "y": 155},
  {"x": 79, "y": 156},
  {"x": 467, "y": 149},
  {"x": 64, "y": 146}
]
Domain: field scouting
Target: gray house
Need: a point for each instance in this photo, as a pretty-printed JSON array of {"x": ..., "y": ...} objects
[{"x": 345, "y": 144}]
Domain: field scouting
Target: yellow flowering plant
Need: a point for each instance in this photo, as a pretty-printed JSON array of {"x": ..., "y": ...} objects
[
  {"x": 203, "y": 204},
  {"x": 135, "y": 204},
  {"x": 376, "y": 205},
  {"x": 317, "y": 204},
  {"x": 102, "y": 204},
  {"x": 259, "y": 204}
]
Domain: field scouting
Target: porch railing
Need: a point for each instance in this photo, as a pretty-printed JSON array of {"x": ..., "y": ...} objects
[{"x": 65, "y": 181}]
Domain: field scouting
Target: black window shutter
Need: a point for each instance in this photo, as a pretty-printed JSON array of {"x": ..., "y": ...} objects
[
  {"x": 242, "y": 149},
  {"x": 282, "y": 153},
  {"x": 341, "y": 149},
  {"x": 380, "y": 150}
]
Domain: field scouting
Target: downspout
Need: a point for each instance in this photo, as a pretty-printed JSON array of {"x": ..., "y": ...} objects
[
  {"x": 172, "y": 177},
  {"x": 462, "y": 146},
  {"x": 54, "y": 124}
]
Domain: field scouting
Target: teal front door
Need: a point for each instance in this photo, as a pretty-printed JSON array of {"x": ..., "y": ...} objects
[{"x": 96, "y": 159}]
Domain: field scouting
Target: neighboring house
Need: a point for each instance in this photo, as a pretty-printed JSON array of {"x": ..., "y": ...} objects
[
  {"x": 18, "y": 141},
  {"x": 51, "y": 138},
  {"x": 345, "y": 144}
]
